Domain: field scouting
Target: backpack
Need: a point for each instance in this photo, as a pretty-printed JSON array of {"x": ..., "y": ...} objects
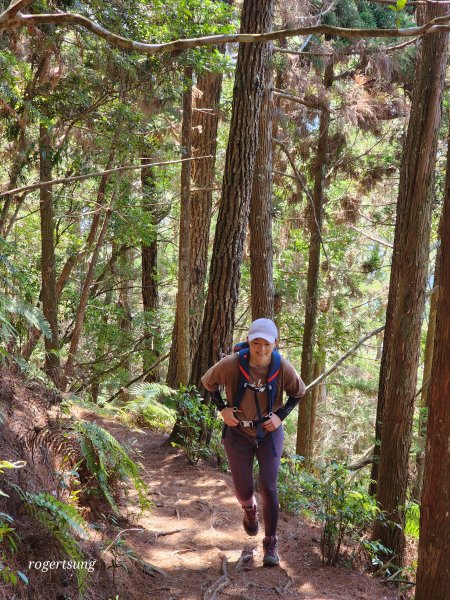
[{"x": 271, "y": 386}]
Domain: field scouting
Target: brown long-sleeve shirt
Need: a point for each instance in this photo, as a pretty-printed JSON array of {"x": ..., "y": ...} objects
[{"x": 226, "y": 373}]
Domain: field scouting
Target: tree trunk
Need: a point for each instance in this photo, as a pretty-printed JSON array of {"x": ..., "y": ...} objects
[
  {"x": 407, "y": 290},
  {"x": 48, "y": 266},
  {"x": 71, "y": 262},
  {"x": 305, "y": 435},
  {"x": 428, "y": 361},
  {"x": 19, "y": 153},
  {"x": 433, "y": 573},
  {"x": 261, "y": 248},
  {"x": 81, "y": 312},
  {"x": 149, "y": 261},
  {"x": 218, "y": 322},
  {"x": 318, "y": 396},
  {"x": 126, "y": 319},
  {"x": 180, "y": 355},
  {"x": 205, "y": 122}
]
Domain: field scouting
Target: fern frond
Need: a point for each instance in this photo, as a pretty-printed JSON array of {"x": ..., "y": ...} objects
[
  {"x": 62, "y": 521},
  {"x": 32, "y": 314},
  {"x": 154, "y": 406},
  {"x": 108, "y": 460},
  {"x": 158, "y": 391}
]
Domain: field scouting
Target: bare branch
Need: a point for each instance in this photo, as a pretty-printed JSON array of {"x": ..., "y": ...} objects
[
  {"x": 335, "y": 365},
  {"x": 373, "y": 238},
  {"x": 348, "y": 52},
  {"x": 297, "y": 100},
  {"x": 143, "y": 374},
  {"x": 35, "y": 186},
  {"x": 438, "y": 24},
  {"x": 13, "y": 9},
  {"x": 303, "y": 53}
]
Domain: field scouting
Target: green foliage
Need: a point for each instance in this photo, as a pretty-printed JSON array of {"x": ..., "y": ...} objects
[
  {"x": 154, "y": 406},
  {"x": 62, "y": 521},
  {"x": 332, "y": 497},
  {"x": 346, "y": 510},
  {"x": 8, "y": 536},
  {"x": 14, "y": 311},
  {"x": 109, "y": 462},
  {"x": 412, "y": 517},
  {"x": 297, "y": 487},
  {"x": 195, "y": 422}
]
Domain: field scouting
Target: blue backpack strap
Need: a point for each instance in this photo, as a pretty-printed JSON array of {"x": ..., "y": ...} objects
[
  {"x": 272, "y": 378},
  {"x": 240, "y": 346},
  {"x": 244, "y": 374}
]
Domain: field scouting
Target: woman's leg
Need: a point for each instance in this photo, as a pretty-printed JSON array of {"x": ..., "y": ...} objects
[
  {"x": 268, "y": 454},
  {"x": 240, "y": 453}
]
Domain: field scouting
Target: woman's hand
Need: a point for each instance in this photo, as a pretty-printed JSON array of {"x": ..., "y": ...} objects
[
  {"x": 273, "y": 423},
  {"x": 228, "y": 417}
]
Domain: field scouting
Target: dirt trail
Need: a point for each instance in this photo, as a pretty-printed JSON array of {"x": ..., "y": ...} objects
[{"x": 196, "y": 518}]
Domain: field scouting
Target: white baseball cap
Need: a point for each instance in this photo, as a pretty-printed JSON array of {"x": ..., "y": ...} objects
[{"x": 263, "y": 328}]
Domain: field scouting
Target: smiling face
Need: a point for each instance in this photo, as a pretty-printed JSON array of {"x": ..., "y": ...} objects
[{"x": 260, "y": 352}]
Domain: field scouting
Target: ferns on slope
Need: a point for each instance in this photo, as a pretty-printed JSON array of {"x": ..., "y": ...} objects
[{"x": 108, "y": 461}]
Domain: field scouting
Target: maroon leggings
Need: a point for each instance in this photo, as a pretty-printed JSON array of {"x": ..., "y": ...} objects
[{"x": 241, "y": 453}]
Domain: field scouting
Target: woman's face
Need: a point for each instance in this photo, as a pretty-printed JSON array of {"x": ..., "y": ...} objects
[{"x": 260, "y": 352}]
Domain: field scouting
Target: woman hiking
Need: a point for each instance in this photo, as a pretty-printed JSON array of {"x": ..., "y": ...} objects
[{"x": 255, "y": 379}]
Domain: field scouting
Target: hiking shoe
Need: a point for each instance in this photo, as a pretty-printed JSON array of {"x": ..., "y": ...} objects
[
  {"x": 271, "y": 558},
  {"x": 250, "y": 521}
]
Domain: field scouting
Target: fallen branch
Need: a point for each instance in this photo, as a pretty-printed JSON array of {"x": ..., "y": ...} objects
[
  {"x": 118, "y": 536},
  {"x": 163, "y": 533},
  {"x": 147, "y": 567},
  {"x": 366, "y": 459}
]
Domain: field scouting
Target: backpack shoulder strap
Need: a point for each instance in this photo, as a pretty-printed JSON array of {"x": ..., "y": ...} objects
[
  {"x": 240, "y": 346},
  {"x": 244, "y": 374},
  {"x": 272, "y": 378}
]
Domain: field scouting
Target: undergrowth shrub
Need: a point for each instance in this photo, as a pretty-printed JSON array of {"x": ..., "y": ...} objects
[
  {"x": 335, "y": 499},
  {"x": 296, "y": 487},
  {"x": 8, "y": 536},
  {"x": 412, "y": 526},
  {"x": 195, "y": 424},
  {"x": 154, "y": 406},
  {"x": 346, "y": 511},
  {"x": 62, "y": 521},
  {"x": 109, "y": 463}
]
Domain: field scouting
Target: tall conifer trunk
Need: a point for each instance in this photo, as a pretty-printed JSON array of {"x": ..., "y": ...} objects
[
  {"x": 205, "y": 122},
  {"x": 425, "y": 395},
  {"x": 261, "y": 247},
  {"x": 433, "y": 573},
  {"x": 48, "y": 265},
  {"x": 407, "y": 285},
  {"x": 180, "y": 357},
  {"x": 306, "y": 416},
  {"x": 218, "y": 322},
  {"x": 149, "y": 276}
]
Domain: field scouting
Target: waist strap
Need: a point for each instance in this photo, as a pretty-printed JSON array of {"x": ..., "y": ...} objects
[{"x": 253, "y": 423}]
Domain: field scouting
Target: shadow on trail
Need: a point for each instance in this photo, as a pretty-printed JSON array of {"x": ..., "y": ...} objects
[{"x": 194, "y": 538}]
